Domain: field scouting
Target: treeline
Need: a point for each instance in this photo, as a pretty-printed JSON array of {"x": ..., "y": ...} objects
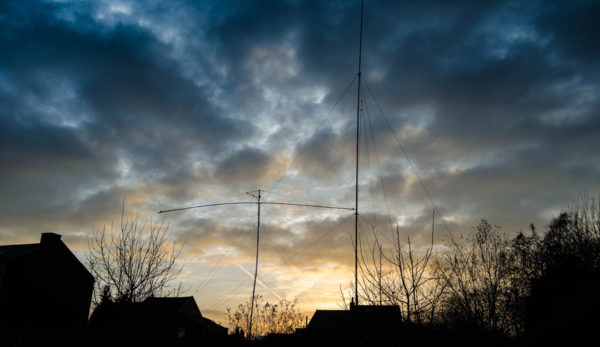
[{"x": 539, "y": 286}]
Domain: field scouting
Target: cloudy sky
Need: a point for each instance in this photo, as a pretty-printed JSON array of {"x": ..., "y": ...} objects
[{"x": 167, "y": 104}]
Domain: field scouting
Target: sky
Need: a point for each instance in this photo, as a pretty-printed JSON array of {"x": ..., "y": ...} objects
[{"x": 483, "y": 109}]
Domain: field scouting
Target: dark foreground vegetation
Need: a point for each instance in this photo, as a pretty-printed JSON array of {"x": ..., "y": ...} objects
[{"x": 483, "y": 289}]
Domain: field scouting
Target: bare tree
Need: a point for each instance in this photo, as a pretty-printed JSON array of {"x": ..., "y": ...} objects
[
  {"x": 585, "y": 214},
  {"x": 133, "y": 262},
  {"x": 566, "y": 273},
  {"x": 417, "y": 290},
  {"x": 280, "y": 318},
  {"x": 477, "y": 273},
  {"x": 402, "y": 278},
  {"x": 575, "y": 234}
]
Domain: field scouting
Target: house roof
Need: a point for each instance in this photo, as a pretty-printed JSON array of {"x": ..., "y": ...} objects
[
  {"x": 363, "y": 314},
  {"x": 185, "y": 305},
  {"x": 167, "y": 303},
  {"x": 13, "y": 251},
  {"x": 155, "y": 309},
  {"x": 323, "y": 319},
  {"x": 50, "y": 241},
  {"x": 389, "y": 311}
]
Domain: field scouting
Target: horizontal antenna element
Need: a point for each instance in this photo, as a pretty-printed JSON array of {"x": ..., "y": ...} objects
[{"x": 262, "y": 203}]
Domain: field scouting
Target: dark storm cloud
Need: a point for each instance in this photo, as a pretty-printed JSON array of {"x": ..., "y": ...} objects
[
  {"x": 85, "y": 104},
  {"x": 247, "y": 166},
  {"x": 514, "y": 106},
  {"x": 489, "y": 88},
  {"x": 496, "y": 103},
  {"x": 324, "y": 155},
  {"x": 573, "y": 26}
]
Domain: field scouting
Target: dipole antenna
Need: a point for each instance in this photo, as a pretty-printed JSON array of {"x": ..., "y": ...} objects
[{"x": 258, "y": 203}]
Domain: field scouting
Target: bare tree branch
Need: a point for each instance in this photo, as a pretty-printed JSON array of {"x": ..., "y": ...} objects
[{"x": 135, "y": 261}]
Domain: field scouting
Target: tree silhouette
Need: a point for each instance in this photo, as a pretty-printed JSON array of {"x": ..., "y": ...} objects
[
  {"x": 402, "y": 277},
  {"x": 133, "y": 262},
  {"x": 476, "y": 272},
  {"x": 279, "y": 318},
  {"x": 563, "y": 301}
]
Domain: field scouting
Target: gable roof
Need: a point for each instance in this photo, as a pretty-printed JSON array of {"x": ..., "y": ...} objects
[
  {"x": 167, "y": 302},
  {"x": 327, "y": 319},
  {"x": 185, "y": 305},
  {"x": 12, "y": 251},
  {"x": 154, "y": 312},
  {"x": 363, "y": 314},
  {"x": 48, "y": 241}
]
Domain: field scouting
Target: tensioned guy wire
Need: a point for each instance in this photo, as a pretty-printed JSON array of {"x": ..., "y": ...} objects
[{"x": 413, "y": 167}]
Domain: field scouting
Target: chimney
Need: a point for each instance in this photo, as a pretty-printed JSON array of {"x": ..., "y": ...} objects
[{"x": 49, "y": 238}]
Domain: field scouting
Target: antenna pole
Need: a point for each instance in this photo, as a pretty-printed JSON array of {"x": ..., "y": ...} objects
[
  {"x": 256, "y": 263},
  {"x": 362, "y": 4}
]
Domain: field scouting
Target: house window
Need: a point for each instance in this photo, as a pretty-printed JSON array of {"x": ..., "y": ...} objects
[{"x": 181, "y": 333}]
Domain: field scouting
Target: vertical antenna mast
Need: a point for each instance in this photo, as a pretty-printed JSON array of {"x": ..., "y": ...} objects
[
  {"x": 256, "y": 263},
  {"x": 362, "y": 4}
]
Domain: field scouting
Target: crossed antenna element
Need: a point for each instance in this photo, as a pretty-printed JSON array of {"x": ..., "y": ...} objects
[{"x": 258, "y": 202}]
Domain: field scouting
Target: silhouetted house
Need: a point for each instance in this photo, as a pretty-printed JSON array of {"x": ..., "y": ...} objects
[
  {"x": 43, "y": 287},
  {"x": 156, "y": 322},
  {"x": 360, "y": 325}
]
